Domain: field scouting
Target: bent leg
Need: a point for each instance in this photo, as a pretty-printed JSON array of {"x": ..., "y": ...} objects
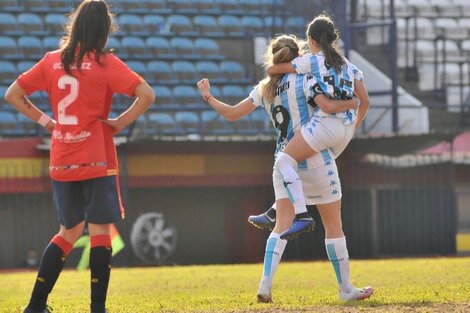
[{"x": 52, "y": 263}]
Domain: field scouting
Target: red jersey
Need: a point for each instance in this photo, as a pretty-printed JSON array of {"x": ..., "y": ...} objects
[{"x": 82, "y": 146}]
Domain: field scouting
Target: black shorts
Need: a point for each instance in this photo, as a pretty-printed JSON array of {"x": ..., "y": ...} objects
[{"x": 96, "y": 200}]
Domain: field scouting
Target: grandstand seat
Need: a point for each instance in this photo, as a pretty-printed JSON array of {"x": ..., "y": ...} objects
[
  {"x": 62, "y": 6},
  {"x": 180, "y": 25},
  {"x": 26, "y": 127},
  {"x": 233, "y": 71},
  {"x": 156, "y": 6},
  {"x": 464, "y": 23},
  {"x": 206, "y": 25},
  {"x": 231, "y": 25},
  {"x": 210, "y": 70},
  {"x": 208, "y": 6},
  {"x": 449, "y": 28},
  {"x": 260, "y": 122},
  {"x": 154, "y": 24},
  {"x": 456, "y": 74},
  {"x": 464, "y": 7},
  {"x": 8, "y": 72},
  {"x": 182, "y": 6},
  {"x": 50, "y": 43},
  {"x": 131, "y": 24},
  {"x": 184, "y": 71},
  {"x": 8, "y": 24},
  {"x": 243, "y": 125},
  {"x": 30, "y": 47},
  {"x": 214, "y": 124},
  {"x": 402, "y": 27},
  {"x": 445, "y": 9},
  {"x": 4, "y": 106},
  {"x": 37, "y": 5},
  {"x": 11, "y": 5},
  {"x": 186, "y": 96},
  {"x": 295, "y": 25},
  {"x": 30, "y": 24},
  {"x": 233, "y": 94},
  {"x": 164, "y": 96},
  {"x": 133, "y": 47},
  {"x": 273, "y": 23},
  {"x": 423, "y": 8},
  {"x": 252, "y": 25},
  {"x": 140, "y": 127},
  {"x": 8, "y": 124},
  {"x": 182, "y": 47},
  {"x": 54, "y": 23},
  {"x": 465, "y": 47},
  {"x": 138, "y": 66},
  {"x": 161, "y": 123},
  {"x": 207, "y": 48},
  {"x": 131, "y": 6},
  {"x": 114, "y": 45},
  {"x": 188, "y": 122},
  {"x": 158, "y": 47},
  {"x": 230, "y": 7},
  {"x": 8, "y": 48},
  {"x": 216, "y": 92},
  {"x": 24, "y": 66},
  {"x": 159, "y": 72},
  {"x": 251, "y": 6}
]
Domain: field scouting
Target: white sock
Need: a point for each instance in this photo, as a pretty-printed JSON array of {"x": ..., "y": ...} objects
[
  {"x": 339, "y": 257},
  {"x": 274, "y": 249},
  {"x": 286, "y": 166}
]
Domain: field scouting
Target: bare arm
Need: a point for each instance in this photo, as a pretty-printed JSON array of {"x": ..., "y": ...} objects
[
  {"x": 229, "y": 112},
  {"x": 281, "y": 68},
  {"x": 16, "y": 96},
  {"x": 335, "y": 106},
  {"x": 363, "y": 95},
  {"x": 145, "y": 97}
]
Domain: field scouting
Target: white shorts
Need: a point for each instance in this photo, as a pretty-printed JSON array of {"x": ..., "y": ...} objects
[
  {"x": 321, "y": 133},
  {"x": 321, "y": 185}
]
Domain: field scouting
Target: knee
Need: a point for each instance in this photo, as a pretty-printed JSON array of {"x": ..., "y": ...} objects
[
  {"x": 284, "y": 164},
  {"x": 73, "y": 234}
]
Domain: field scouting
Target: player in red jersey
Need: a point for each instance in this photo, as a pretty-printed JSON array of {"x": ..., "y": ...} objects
[{"x": 80, "y": 79}]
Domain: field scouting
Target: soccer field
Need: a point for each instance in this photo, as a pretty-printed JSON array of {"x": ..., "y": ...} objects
[{"x": 401, "y": 285}]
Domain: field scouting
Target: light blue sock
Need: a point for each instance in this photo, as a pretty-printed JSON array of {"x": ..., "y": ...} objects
[{"x": 274, "y": 250}]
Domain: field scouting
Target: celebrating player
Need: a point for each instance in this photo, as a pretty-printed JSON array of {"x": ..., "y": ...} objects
[
  {"x": 337, "y": 78},
  {"x": 80, "y": 79},
  {"x": 286, "y": 99}
]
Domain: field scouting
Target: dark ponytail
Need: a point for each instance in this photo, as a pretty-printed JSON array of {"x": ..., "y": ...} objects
[
  {"x": 324, "y": 32},
  {"x": 87, "y": 31}
]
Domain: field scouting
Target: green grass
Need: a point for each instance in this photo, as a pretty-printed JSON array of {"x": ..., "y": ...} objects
[{"x": 401, "y": 285}]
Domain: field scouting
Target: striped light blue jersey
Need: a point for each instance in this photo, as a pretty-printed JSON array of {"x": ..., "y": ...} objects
[
  {"x": 289, "y": 111},
  {"x": 334, "y": 85}
]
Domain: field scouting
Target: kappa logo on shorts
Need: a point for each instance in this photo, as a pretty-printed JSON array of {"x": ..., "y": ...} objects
[
  {"x": 287, "y": 183},
  {"x": 333, "y": 182},
  {"x": 331, "y": 173},
  {"x": 334, "y": 192}
]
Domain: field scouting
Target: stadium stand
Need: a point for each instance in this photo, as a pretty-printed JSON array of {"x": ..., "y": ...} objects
[{"x": 170, "y": 43}]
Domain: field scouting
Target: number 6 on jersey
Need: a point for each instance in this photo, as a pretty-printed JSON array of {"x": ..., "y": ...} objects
[{"x": 65, "y": 80}]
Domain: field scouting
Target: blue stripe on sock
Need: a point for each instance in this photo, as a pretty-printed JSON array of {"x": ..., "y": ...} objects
[
  {"x": 268, "y": 256},
  {"x": 330, "y": 248}
]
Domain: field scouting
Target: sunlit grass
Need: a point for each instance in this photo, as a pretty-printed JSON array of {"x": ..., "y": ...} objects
[{"x": 401, "y": 285}]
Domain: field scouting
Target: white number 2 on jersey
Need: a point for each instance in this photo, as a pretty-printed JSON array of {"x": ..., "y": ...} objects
[{"x": 65, "y": 80}]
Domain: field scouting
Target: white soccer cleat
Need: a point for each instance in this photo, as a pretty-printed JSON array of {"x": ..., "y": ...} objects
[
  {"x": 264, "y": 292},
  {"x": 356, "y": 294}
]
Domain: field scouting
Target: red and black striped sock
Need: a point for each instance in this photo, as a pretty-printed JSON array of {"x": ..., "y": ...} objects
[
  {"x": 100, "y": 267},
  {"x": 52, "y": 263}
]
